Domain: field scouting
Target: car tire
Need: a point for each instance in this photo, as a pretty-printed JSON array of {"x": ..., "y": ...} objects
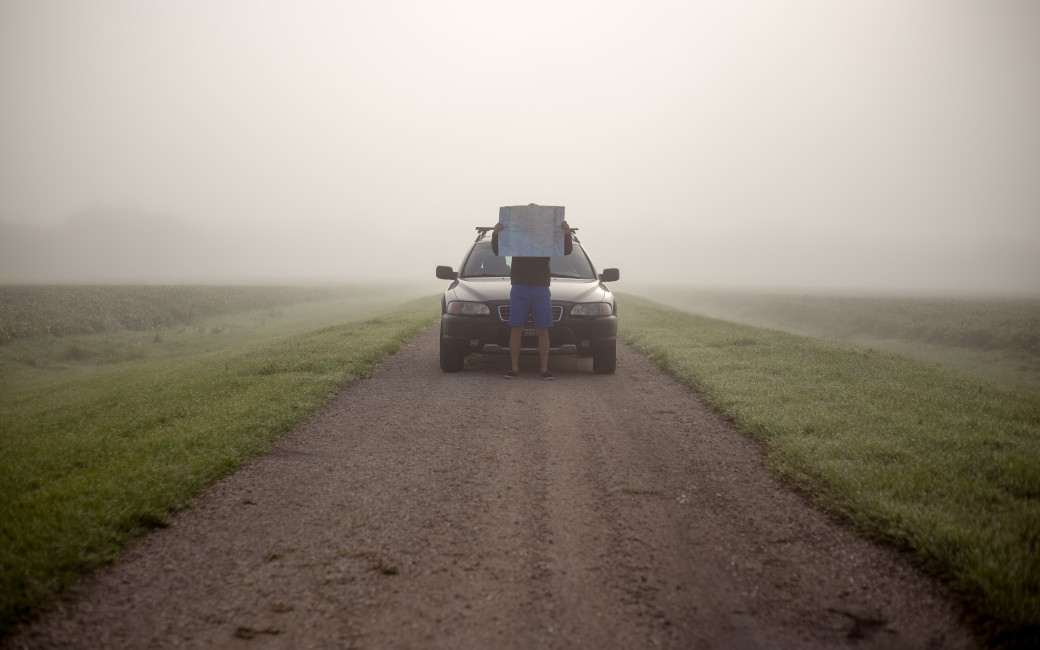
[
  {"x": 452, "y": 357},
  {"x": 604, "y": 362}
]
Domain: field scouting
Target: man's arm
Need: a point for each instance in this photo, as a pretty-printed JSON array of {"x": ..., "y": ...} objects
[
  {"x": 499, "y": 227},
  {"x": 568, "y": 241}
]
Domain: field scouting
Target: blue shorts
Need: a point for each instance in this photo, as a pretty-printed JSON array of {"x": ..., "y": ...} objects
[{"x": 525, "y": 298}]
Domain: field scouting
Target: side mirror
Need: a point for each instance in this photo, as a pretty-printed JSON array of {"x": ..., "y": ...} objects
[
  {"x": 445, "y": 273},
  {"x": 610, "y": 275}
]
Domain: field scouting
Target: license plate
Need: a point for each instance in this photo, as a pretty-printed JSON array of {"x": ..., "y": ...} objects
[{"x": 530, "y": 331}]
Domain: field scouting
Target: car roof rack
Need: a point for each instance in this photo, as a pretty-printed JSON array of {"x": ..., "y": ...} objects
[{"x": 482, "y": 232}]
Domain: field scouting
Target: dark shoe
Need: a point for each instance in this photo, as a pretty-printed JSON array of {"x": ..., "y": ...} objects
[
  {"x": 512, "y": 374},
  {"x": 547, "y": 376}
]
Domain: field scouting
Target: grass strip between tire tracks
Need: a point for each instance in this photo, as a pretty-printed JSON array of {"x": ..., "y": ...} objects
[
  {"x": 941, "y": 464},
  {"x": 88, "y": 463}
]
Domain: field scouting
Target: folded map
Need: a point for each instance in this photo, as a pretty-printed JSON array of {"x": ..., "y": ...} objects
[{"x": 531, "y": 231}]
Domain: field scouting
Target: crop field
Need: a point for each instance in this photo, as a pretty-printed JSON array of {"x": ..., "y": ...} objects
[
  {"x": 69, "y": 327},
  {"x": 107, "y": 430},
  {"x": 994, "y": 337},
  {"x": 939, "y": 462},
  {"x": 63, "y": 310}
]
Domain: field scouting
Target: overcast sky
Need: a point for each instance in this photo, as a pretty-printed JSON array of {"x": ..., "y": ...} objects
[{"x": 859, "y": 143}]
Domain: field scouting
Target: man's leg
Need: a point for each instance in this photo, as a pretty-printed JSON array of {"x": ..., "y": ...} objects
[
  {"x": 519, "y": 305},
  {"x": 543, "y": 347},
  {"x": 514, "y": 346},
  {"x": 541, "y": 314}
]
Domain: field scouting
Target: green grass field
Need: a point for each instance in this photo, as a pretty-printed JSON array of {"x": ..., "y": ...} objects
[
  {"x": 996, "y": 338},
  {"x": 64, "y": 310},
  {"x": 105, "y": 435},
  {"x": 941, "y": 463}
]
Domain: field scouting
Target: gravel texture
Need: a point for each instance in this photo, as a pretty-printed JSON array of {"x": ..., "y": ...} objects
[{"x": 430, "y": 510}]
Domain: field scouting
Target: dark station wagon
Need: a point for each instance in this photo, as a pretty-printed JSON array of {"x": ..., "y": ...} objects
[{"x": 475, "y": 308}]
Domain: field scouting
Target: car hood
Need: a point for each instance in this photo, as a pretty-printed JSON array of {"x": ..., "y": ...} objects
[{"x": 562, "y": 289}]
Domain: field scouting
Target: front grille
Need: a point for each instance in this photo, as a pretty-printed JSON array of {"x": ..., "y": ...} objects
[{"x": 503, "y": 313}]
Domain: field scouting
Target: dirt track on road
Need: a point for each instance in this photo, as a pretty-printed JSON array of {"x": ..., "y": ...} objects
[{"x": 430, "y": 510}]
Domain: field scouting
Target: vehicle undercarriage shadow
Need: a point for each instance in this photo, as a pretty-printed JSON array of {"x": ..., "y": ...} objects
[{"x": 496, "y": 364}]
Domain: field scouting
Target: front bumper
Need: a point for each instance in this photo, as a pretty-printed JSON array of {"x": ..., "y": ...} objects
[{"x": 490, "y": 334}]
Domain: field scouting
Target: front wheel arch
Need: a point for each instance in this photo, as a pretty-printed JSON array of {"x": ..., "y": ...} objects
[{"x": 452, "y": 357}]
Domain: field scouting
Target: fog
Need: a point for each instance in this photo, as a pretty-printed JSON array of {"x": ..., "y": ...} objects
[{"x": 863, "y": 144}]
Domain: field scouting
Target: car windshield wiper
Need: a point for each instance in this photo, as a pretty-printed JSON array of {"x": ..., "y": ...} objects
[{"x": 485, "y": 275}]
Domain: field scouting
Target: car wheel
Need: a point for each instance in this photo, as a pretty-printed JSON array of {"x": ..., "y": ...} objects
[
  {"x": 604, "y": 362},
  {"x": 452, "y": 357}
]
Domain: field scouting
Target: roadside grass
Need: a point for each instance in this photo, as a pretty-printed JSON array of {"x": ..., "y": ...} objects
[
  {"x": 92, "y": 454},
  {"x": 942, "y": 464},
  {"x": 997, "y": 338}
]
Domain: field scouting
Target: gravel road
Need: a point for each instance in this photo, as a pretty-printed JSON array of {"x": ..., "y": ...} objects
[{"x": 430, "y": 510}]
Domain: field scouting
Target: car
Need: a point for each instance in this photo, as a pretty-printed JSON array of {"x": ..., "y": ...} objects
[{"x": 475, "y": 308}]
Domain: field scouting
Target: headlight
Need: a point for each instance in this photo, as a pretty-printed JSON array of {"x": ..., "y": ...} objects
[
  {"x": 591, "y": 309},
  {"x": 468, "y": 308}
]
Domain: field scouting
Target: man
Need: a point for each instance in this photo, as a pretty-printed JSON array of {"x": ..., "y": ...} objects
[{"x": 529, "y": 277}]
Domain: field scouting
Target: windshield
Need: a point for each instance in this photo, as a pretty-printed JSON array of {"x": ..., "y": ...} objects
[{"x": 482, "y": 263}]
